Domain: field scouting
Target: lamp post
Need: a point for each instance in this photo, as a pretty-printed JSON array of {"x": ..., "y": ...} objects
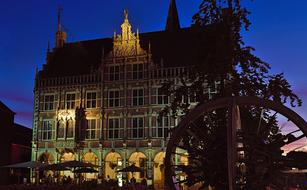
[
  {"x": 101, "y": 159},
  {"x": 149, "y": 170}
]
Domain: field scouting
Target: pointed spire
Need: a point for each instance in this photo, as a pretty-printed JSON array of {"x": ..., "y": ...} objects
[
  {"x": 60, "y": 35},
  {"x": 172, "y": 18},
  {"x": 60, "y": 9},
  {"x": 126, "y": 14}
]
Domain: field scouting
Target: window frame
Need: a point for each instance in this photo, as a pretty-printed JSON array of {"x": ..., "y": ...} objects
[
  {"x": 49, "y": 105},
  {"x": 93, "y": 131},
  {"x": 46, "y": 130},
  {"x": 116, "y": 129},
  {"x": 59, "y": 122},
  {"x": 91, "y": 101},
  {"x": 138, "y": 131},
  {"x": 160, "y": 129},
  {"x": 114, "y": 101},
  {"x": 70, "y": 102},
  {"x": 114, "y": 73},
  {"x": 136, "y": 99},
  {"x": 137, "y": 71}
]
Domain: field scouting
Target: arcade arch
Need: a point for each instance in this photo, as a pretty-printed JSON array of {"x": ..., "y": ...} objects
[
  {"x": 67, "y": 156},
  {"x": 138, "y": 159},
  {"x": 112, "y": 160},
  {"x": 90, "y": 157},
  {"x": 46, "y": 158},
  {"x": 158, "y": 170}
]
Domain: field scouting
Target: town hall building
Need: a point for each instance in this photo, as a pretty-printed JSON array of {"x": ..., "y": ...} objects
[{"x": 98, "y": 101}]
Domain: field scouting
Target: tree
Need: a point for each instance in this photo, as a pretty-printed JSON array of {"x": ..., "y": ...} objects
[{"x": 230, "y": 67}]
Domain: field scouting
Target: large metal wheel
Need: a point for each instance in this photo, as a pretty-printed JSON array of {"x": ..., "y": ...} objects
[{"x": 185, "y": 152}]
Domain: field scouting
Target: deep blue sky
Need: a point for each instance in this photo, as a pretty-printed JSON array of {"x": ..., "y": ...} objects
[{"x": 278, "y": 32}]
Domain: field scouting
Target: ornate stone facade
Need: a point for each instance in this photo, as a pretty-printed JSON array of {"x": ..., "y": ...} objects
[{"x": 99, "y": 100}]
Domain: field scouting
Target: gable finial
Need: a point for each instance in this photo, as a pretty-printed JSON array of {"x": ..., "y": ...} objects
[
  {"x": 60, "y": 9},
  {"x": 126, "y": 14}
]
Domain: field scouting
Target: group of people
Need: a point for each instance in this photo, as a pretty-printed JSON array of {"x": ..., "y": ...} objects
[
  {"x": 63, "y": 180},
  {"x": 132, "y": 184},
  {"x": 129, "y": 184}
]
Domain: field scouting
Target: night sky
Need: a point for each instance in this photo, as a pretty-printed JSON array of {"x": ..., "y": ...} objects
[{"x": 278, "y": 32}]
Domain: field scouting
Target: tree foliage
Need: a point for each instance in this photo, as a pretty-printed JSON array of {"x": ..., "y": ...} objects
[{"x": 230, "y": 68}]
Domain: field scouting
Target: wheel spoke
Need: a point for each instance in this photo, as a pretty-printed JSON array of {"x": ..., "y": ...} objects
[{"x": 194, "y": 141}]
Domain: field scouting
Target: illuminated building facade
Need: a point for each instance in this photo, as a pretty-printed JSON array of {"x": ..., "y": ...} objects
[{"x": 98, "y": 100}]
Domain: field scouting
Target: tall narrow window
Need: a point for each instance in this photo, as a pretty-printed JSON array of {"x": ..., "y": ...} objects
[
  {"x": 61, "y": 129},
  {"x": 91, "y": 100},
  {"x": 93, "y": 129},
  {"x": 137, "y": 127},
  {"x": 70, "y": 101},
  {"x": 70, "y": 128},
  {"x": 49, "y": 102},
  {"x": 46, "y": 130},
  {"x": 114, "y": 99},
  {"x": 114, "y": 73},
  {"x": 114, "y": 128},
  {"x": 137, "y": 71},
  {"x": 138, "y": 97}
]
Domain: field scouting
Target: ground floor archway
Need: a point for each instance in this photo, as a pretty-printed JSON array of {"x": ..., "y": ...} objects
[
  {"x": 138, "y": 159},
  {"x": 158, "y": 170},
  {"x": 111, "y": 162},
  {"x": 67, "y": 156},
  {"x": 90, "y": 157}
]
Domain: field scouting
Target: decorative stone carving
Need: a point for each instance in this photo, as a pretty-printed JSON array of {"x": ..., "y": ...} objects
[{"x": 126, "y": 43}]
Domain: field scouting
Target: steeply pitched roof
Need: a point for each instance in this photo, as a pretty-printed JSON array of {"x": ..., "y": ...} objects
[{"x": 179, "y": 48}]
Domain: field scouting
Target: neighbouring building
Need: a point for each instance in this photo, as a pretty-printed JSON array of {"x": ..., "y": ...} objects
[
  {"x": 99, "y": 100},
  {"x": 15, "y": 146}
]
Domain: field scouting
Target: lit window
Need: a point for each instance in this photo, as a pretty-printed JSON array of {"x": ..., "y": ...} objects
[
  {"x": 61, "y": 129},
  {"x": 49, "y": 102},
  {"x": 114, "y": 100},
  {"x": 137, "y": 71},
  {"x": 46, "y": 130},
  {"x": 91, "y": 100},
  {"x": 114, "y": 73},
  {"x": 70, "y": 101},
  {"x": 70, "y": 128},
  {"x": 137, "y": 127},
  {"x": 138, "y": 97},
  {"x": 114, "y": 128},
  {"x": 93, "y": 129}
]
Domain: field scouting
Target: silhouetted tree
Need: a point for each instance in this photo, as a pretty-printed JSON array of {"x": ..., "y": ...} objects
[{"x": 229, "y": 67}]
